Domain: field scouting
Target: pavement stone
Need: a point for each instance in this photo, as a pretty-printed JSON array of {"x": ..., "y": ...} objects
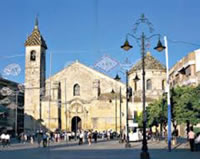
[{"x": 101, "y": 150}]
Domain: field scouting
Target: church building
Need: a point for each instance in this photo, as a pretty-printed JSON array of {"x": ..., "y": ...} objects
[{"x": 79, "y": 97}]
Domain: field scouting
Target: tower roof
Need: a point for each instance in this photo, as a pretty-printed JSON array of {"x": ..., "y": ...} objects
[
  {"x": 150, "y": 63},
  {"x": 36, "y": 38}
]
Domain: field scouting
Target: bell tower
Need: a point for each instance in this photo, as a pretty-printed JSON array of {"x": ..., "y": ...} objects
[{"x": 35, "y": 72}]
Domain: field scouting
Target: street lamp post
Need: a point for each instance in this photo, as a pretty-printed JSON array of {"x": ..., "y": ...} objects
[
  {"x": 144, "y": 154},
  {"x": 127, "y": 118},
  {"x": 115, "y": 97},
  {"x": 117, "y": 78},
  {"x": 120, "y": 115}
]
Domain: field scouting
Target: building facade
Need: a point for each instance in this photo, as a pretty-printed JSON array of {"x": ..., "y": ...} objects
[
  {"x": 79, "y": 97},
  {"x": 186, "y": 71},
  {"x": 155, "y": 80}
]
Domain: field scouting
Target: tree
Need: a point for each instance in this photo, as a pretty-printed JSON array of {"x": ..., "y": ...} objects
[
  {"x": 157, "y": 113},
  {"x": 185, "y": 105}
]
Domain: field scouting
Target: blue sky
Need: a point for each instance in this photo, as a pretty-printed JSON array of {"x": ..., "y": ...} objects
[{"x": 89, "y": 29}]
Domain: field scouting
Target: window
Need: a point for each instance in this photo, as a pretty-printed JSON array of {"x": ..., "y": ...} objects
[
  {"x": 76, "y": 90},
  {"x": 149, "y": 84},
  {"x": 135, "y": 85},
  {"x": 163, "y": 84},
  {"x": 33, "y": 55}
]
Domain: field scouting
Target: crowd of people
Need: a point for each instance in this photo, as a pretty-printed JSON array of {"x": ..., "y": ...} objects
[
  {"x": 44, "y": 138},
  {"x": 92, "y": 136}
]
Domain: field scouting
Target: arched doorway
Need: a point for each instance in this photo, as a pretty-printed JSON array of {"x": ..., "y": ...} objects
[{"x": 76, "y": 123}]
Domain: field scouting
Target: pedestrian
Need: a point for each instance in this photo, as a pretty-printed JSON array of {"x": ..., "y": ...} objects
[
  {"x": 3, "y": 139},
  {"x": 95, "y": 136},
  {"x": 7, "y": 139},
  {"x": 89, "y": 138},
  {"x": 154, "y": 133},
  {"x": 39, "y": 138},
  {"x": 103, "y": 135},
  {"x": 108, "y": 135},
  {"x": 44, "y": 140},
  {"x": 25, "y": 138},
  {"x": 31, "y": 139},
  {"x": 191, "y": 136},
  {"x": 56, "y": 136},
  {"x": 84, "y": 136},
  {"x": 65, "y": 136},
  {"x": 175, "y": 135},
  {"x": 51, "y": 137},
  {"x": 157, "y": 134},
  {"x": 81, "y": 136},
  {"x": 21, "y": 136},
  {"x": 197, "y": 142}
]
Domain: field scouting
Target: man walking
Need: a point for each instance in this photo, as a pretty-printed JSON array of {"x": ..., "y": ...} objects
[
  {"x": 81, "y": 136},
  {"x": 95, "y": 134}
]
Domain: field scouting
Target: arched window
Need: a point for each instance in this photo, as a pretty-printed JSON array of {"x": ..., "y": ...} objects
[
  {"x": 33, "y": 55},
  {"x": 149, "y": 84},
  {"x": 76, "y": 90},
  {"x": 135, "y": 82},
  {"x": 163, "y": 84}
]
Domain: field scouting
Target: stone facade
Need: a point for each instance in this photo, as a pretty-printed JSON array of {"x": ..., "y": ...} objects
[
  {"x": 94, "y": 105},
  {"x": 79, "y": 97},
  {"x": 155, "y": 80}
]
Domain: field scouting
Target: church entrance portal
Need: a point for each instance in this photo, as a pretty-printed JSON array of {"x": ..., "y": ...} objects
[{"x": 76, "y": 123}]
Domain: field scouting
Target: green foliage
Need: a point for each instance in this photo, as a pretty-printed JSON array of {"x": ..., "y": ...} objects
[
  {"x": 139, "y": 120},
  {"x": 196, "y": 130},
  {"x": 157, "y": 112},
  {"x": 185, "y": 104}
]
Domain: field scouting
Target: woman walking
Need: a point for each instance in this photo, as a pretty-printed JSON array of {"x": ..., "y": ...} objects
[
  {"x": 89, "y": 137},
  {"x": 191, "y": 136}
]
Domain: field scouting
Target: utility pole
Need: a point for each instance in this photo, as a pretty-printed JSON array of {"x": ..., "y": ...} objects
[{"x": 16, "y": 114}]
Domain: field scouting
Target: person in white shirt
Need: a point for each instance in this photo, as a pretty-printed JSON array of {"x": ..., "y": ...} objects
[
  {"x": 191, "y": 136},
  {"x": 3, "y": 139},
  {"x": 81, "y": 138}
]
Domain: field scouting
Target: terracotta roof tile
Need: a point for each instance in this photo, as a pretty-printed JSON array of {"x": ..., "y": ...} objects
[{"x": 35, "y": 39}]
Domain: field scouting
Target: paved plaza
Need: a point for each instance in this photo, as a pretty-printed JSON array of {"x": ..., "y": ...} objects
[{"x": 100, "y": 150}]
